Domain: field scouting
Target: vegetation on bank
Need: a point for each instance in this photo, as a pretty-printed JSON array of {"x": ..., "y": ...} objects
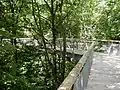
[{"x": 31, "y": 67}]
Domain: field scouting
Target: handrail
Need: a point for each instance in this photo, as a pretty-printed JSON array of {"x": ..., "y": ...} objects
[
  {"x": 81, "y": 70},
  {"x": 89, "y": 40},
  {"x": 69, "y": 39}
]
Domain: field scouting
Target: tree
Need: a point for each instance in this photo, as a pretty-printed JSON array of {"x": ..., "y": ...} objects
[
  {"x": 108, "y": 24},
  {"x": 29, "y": 66}
]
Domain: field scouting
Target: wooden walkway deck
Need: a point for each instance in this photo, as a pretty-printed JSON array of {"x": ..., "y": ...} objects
[{"x": 105, "y": 73}]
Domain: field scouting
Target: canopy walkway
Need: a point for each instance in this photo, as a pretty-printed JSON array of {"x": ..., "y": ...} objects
[
  {"x": 104, "y": 74},
  {"x": 105, "y": 71}
]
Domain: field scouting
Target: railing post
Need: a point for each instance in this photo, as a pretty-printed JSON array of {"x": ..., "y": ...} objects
[
  {"x": 77, "y": 44},
  {"x": 85, "y": 74},
  {"x": 78, "y": 85},
  {"x": 60, "y": 48},
  {"x": 73, "y": 49},
  {"x": 91, "y": 57},
  {"x": 118, "y": 48}
]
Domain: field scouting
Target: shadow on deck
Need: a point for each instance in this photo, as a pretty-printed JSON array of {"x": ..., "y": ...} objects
[{"x": 105, "y": 72}]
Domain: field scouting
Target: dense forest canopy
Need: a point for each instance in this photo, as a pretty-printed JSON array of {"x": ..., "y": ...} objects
[{"x": 31, "y": 67}]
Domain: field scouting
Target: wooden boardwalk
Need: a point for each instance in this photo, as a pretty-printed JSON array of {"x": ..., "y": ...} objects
[{"x": 105, "y": 72}]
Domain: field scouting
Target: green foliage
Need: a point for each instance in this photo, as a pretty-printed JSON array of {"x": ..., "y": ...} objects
[
  {"x": 33, "y": 72},
  {"x": 31, "y": 67},
  {"x": 108, "y": 26}
]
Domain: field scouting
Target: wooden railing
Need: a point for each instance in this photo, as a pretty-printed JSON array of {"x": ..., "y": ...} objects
[
  {"x": 74, "y": 44},
  {"x": 78, "y": 77},
  {"x": 110, "y": 46}
]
